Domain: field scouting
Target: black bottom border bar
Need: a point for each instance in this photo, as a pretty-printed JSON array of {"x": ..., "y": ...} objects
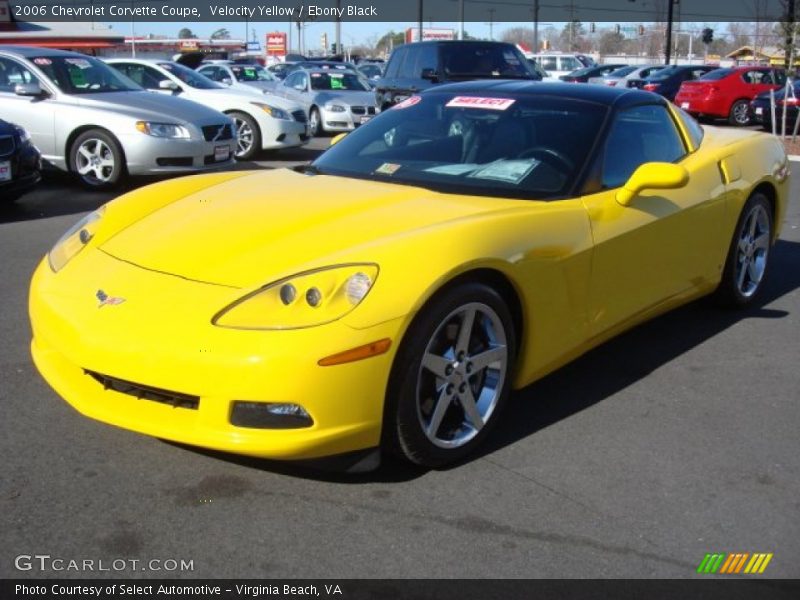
[{"x": 412, "y": 589}]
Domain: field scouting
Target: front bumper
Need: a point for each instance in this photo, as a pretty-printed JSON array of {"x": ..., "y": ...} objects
[
  {"x": 343, "y": 121},
  {"x": 25, "y": 170},
  {"x": 161, "y": 337},
  {"x": 148, "y": 155},
  {"x": 281, "y": 133}
]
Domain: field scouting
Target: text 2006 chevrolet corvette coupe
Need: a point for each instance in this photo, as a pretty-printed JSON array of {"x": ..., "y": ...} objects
[{"x": 393, "y": 292}]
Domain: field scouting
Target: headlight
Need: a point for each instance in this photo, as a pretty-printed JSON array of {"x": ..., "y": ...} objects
[
  {"x": 335, "y": 108},
  {"x": 24, "y": 136},
  {"x": 303, "y": 300},
  {"x": 273, "y": 111},
  {"x": 74, "y": 240},
  {"x": 163, "y": 130}
]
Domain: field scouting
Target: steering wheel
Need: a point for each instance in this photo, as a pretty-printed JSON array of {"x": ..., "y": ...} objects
[{"x": 549, "y": 155}]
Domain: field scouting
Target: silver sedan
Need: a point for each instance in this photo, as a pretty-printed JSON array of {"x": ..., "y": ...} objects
[
  {"x": 335, "y": 100},
  {"x": 90, "y": 120}
]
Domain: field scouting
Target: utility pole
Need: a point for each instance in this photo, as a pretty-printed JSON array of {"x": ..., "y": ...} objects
[
  {"x": 668, "y": 46},
  {"x": 461, "y": 19},
  {"x": 491, "y": 23},
  {"x": 338, "y": 26},
  {"x": 535, "y": 11},
  {"x": 420, "y": 20}
]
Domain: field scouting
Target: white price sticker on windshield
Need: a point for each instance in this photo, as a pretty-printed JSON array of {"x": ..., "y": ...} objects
[{"x": 475, "y": 102}]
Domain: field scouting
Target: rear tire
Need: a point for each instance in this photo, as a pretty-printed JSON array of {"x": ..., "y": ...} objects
[
  {"x": 451, "y": 377},
  {"x": 740, "y": 113},
  {"x": 748, "y": 255}
]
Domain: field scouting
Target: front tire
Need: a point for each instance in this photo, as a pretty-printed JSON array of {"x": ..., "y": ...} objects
[
  {"x": 248, "y": 136},
  {"x": 314, "y": 122},
  {"x": 451, "y": 377},
  {"x": 740, "y": 113},
  {"x": 97, "y": 159},
  {"x": 748, "y": 255}
]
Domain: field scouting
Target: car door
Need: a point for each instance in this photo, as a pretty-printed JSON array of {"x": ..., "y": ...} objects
[
  {"x": 663, "y": 244},
  {"x": 36, "y": 114}
]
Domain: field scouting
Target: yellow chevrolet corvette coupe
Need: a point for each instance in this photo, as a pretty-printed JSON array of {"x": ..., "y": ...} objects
[{"x": 392, "y": 293}]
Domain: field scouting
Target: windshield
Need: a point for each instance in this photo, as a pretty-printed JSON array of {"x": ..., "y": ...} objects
[
  {"x": 190, "y": 77},
  {"x": 484, "y": 60},
  {"x": 524, "y": 147},
  {"x": 370, "y": 70},
  {"x": 84, "y": 75},
  {"x": 622, "y": 71},
  {"x": 251, "y": 73},
  {"x": 337, "y": 82},
  {"x": 716, "y": 74},
  {"x": 664, "y": 73}
]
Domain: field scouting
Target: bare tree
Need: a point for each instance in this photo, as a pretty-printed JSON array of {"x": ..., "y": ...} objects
[
  {"x": 518, "y": 35},
  {"x": 611, "y": 42}
]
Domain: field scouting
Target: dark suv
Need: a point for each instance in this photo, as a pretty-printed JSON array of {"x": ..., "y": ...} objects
[{"x": 415, "y": 67}]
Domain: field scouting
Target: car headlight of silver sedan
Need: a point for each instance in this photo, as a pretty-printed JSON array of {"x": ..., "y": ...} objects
[
  {"x": 163, "y": 130},
  {"x": 304, "y": 300},
  {"x": 273, "y": 111},
  {"x": 335, "y": 108}
]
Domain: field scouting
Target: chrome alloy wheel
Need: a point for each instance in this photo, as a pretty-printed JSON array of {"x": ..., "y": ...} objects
[
  {"x": 94, "y": 160},
  {"x": 462, "y": 375},
  {"x": 753, "y": 251},
  {"x": 314, "y": 123},
  {"x": 244, "y": 137},
  {"x": 741, "y": 113}
]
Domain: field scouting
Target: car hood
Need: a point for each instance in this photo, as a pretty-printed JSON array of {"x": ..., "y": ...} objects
[
  {"x": 352, "y": 98},
  {"x": 147, "y": 106},
  {"x": 256, "y": 228}
]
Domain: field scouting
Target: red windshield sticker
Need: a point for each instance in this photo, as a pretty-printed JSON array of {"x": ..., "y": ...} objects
[
  {"x": 408, "y": 102},
  {"x": 473, "y": 102}
]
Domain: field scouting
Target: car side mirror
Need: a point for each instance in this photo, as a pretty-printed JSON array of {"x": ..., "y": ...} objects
[
  {"x": 300, "y": 87},
  {"x": 430, "y": 75},
  {"x": 652, "y": 175},
  {"x": 227, "y": 81},
  {"x": 166, "y": 84},
  {"x": 29, "y": 89}
]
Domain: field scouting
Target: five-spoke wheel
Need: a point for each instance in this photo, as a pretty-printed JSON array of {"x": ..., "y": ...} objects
[
  {"x": 452, "y": 375},
  {"x": 97, "y": 159}
]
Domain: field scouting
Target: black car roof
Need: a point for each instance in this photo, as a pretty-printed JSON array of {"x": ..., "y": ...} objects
[{"x": 609, "y": 96}]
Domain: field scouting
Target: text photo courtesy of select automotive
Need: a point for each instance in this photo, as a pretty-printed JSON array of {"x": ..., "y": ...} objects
[{"x": 308, "y": 303}]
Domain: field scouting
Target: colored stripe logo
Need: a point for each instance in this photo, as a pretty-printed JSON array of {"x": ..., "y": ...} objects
[{"x": 734, "y": 563}]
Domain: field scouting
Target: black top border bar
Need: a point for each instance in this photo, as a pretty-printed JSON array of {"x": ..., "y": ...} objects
[{"x": 406, "y": 11}]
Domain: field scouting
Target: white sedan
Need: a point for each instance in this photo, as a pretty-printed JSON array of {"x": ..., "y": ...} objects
[{"x": 263, "y": 122}]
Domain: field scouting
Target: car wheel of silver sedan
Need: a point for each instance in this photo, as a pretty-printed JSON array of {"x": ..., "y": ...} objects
[
  {"x": 248, "y": 136},
  {"x": 314, "y": 123},
  {"x": 97, "y": 159},
  {"x": 451, "y": 376},
  {"x": 748, "y": 255}
]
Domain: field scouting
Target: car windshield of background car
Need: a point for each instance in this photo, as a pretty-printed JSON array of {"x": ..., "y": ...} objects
[
  {"x": 84, "y": 75},
  {"x": 338, "y": 82},
  {"x": 252, "y": 73},
  {"x": 190, "y": 77}
]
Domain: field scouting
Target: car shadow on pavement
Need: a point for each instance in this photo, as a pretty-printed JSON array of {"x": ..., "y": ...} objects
[
  {"x": 590, "y": 379},
  {"x": 632, "y": 356}
]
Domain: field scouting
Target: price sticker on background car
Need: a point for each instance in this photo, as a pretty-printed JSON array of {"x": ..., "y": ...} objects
[
  {"x": 476, "y": 102},
  {"x": 408, "y": 102}
]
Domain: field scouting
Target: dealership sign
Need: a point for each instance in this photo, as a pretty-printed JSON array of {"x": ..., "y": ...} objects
[{"x": 276, "y": 44}]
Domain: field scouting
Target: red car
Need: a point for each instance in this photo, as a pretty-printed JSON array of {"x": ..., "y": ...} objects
[{"x": 727, "y": 93}]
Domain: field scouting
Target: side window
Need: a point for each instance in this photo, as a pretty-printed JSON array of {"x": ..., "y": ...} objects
[
  {"x": 12, "y": 73},
  {"x": 207, "y": 71},
  {"x": 408, "y": 68},
  {"x": 292, "y": 80},
  {"x": 151, "y": 78},
  {"x": 698, "y": 73},
  {"x": 398, "y": 56},
  {"x": 303, "y": 80},
  {"x": 779, "y": 77},
  {"x": 752, "y": 76},
  {"x": 428, "y": 58},
  {"x": 570, "y": 63},
  {"x": 548, "y": 63},
  {"x": 639, "y": 135}
]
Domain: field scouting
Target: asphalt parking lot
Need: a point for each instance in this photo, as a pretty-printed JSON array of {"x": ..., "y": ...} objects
[{"x": 677, "y": 439}]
